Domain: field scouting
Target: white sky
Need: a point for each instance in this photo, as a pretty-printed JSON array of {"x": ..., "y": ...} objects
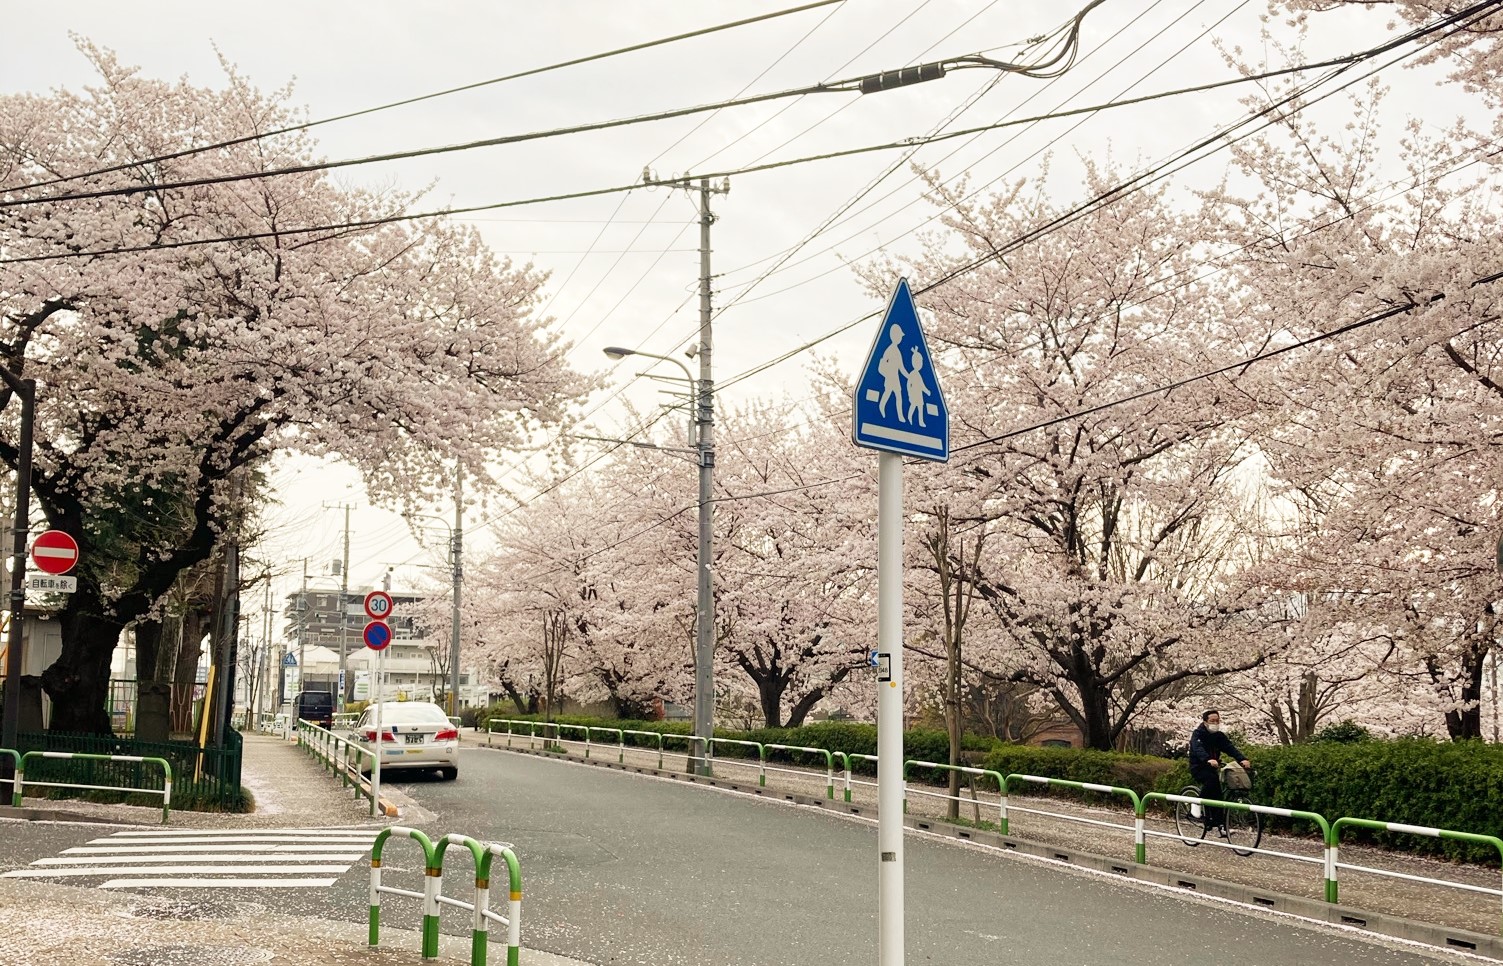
[{"x": 624, "y": 268}]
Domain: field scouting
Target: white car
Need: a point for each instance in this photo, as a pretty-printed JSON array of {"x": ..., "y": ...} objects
[{"x": 415, "y": 734}]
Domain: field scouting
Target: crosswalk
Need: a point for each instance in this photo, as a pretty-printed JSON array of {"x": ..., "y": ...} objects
[{"x": 208, "y": 858}]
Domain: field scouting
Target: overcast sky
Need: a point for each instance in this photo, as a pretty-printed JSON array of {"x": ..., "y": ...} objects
[{"x": 624, "y": 267}]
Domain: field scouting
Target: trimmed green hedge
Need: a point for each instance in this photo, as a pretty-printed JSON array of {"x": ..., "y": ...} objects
[{"x": 1450, "y": 785}]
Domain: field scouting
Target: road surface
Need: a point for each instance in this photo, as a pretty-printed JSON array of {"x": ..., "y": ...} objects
[{"x": 620, "y": 868}]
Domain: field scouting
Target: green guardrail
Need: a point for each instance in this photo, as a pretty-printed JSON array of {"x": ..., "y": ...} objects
[
  {"x": 963, "y": 770},
  {"x": 18, "y": 786},
  {"x": 429, "y": 895},
  {"x": 339, "y": 755},
  {"x": 742, "y": 743},
  {"x": 483, "y": 855},
  {"x": 1012, "y": 780},
  {"x": 15, "y": 763},
  {"x": 1326, "y": 861},
  {"x": 1333, "y": 842},
  {"x": 804, "y": 749}
]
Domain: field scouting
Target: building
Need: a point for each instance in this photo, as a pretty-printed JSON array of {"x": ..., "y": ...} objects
[{"x": 416, "y": 661}]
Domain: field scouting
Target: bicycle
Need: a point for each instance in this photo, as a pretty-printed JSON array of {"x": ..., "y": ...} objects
[{"x": 1242, "y": 828}]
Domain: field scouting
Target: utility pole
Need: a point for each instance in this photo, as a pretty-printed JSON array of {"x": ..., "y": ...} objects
[
  {"x": 344, "y": 593},
  {"x": 302, "y": 630},
  {"x": 704, "y": 446},
  {"x": 15, "y": 640},
  {"x": 704, "y": 637},
  {"x": 456, "y": 573}
]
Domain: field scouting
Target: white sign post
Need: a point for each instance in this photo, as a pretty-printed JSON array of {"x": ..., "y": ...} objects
[
  {"x": 377, "y": 637},
  {"x": 897, "y": 408}
]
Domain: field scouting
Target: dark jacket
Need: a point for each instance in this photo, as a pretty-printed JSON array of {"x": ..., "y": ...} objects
[{"x": 1206, "y": 744}]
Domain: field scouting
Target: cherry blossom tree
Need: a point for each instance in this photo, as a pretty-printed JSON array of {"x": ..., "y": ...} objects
[
  {"x": 168, "y": 362},
  {"x": 1110, "y": 561}
]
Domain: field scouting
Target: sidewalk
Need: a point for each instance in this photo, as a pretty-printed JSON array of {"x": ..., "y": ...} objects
[{"x": 42, "y": 924}]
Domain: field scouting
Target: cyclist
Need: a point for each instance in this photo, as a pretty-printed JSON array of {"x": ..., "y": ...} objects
[{"x": 1207, "y": 745}]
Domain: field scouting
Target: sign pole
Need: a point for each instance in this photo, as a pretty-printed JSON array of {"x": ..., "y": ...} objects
[
  {"x": 376, "y": 762},
  {"x": 898, "y": 409},
  {"x": 890, "y": 710}
]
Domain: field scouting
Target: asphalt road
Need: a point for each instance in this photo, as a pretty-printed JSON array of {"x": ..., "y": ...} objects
[
  {"x": 620, "y": 868},
  {"x": 626, "y": 869}
]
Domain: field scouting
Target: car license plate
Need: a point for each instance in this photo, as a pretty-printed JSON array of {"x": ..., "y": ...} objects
[{"x": 414, "y": 739}]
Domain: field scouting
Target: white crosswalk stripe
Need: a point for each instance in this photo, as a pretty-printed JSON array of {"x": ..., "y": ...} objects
[{"x": 208, "y": 858}]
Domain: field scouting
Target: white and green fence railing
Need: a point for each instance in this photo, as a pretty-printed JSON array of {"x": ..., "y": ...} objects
[
  {"x": 21, "y": 761},
  {"x": 1334, "y": 863},
  {"x": 548, "y": 733},
  {"x": 340, "y": 755},
  {"x": 484, "y": 855}
]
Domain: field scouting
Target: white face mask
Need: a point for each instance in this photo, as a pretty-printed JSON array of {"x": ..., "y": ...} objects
[{"x": 1213, "y": 726}]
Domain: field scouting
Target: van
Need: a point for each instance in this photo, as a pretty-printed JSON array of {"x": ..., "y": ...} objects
[{"x": 314, "y": 706}]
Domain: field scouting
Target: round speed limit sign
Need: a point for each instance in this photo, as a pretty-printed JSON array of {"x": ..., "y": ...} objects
[{"x": 378, "y": 605}]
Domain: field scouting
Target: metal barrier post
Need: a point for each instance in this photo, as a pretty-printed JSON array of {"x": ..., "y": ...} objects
[
  {"x": 1334, "y": 840},
  {"x": 514, "y": 902},
  {"x": 429, "y": 895},
  {"x": 829, "y": 763},
  {"x": 166, "y": 766},
  {"x": 761, "y": 755},
  {"x": 1132, "y": 796},
  {"x": 845, "y": 766},
  {"x": 964, "y": 770}
]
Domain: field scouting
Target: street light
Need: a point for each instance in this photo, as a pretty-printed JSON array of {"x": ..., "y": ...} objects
[{"x": 704, "y": 623}]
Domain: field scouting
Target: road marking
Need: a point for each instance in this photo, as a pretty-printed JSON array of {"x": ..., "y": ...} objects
[
  {"x": 162, "y": 869},
  {"x": 159, "y": 849},
  {"x": 306, "y": 832},
  {"x": 198, "y": 840},
  {"x": 345, "y": 857},
  {"x": 209, "y": 858},
  {"x": 218, "y": 883}
]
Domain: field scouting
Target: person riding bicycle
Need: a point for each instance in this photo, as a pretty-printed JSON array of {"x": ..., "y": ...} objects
[{"x": 1207, "y": 745}]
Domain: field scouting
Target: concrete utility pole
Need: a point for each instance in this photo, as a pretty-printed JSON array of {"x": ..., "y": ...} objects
[
  {"x": 703, "y": 391},
  {"x": 344, "y": 593},
  {"x": 456, "y": 573}
]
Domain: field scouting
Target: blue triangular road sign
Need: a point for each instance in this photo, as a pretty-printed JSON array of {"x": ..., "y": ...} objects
[
  {"x": 289, "y": 659},
  {"x": 898, "y": 405}
]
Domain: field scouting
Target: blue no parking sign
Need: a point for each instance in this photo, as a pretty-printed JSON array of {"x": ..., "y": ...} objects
[{"x": 377, "y": 635}]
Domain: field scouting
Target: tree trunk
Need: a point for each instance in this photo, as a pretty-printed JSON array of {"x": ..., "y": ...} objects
[
  {"x": 1096, "y": 731},
  {"x": 153, "y": 699},
  {"x": 770, "y": 688},
  {"x": 185, "y": 674},
  {"x": 78, "y": 682}
]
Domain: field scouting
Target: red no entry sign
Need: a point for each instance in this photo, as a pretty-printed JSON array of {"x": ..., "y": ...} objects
[{"x": 54, "y": 551}]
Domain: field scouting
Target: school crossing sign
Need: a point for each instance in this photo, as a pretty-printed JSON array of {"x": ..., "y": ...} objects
[{"x": 898, "y": 405}]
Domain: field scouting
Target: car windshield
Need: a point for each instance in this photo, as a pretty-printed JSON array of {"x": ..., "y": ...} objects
[{"x": 409, "y": 712}]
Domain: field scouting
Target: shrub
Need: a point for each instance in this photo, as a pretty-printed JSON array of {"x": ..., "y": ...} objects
[{"x": 1346, "y": 732}]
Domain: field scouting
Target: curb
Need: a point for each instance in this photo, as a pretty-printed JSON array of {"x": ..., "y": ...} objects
[
  {"x": 1382, "y": 924},
  {"x": 31, "y": 814}
]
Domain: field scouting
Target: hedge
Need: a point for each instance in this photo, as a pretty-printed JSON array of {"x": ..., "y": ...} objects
[
  {"x": 842, "y": 736},
  {"x": 1450, "y": 785}
]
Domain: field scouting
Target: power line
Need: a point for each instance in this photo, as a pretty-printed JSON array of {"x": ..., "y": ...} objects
[
  {"x": 1240, "y": 364},
  {"x": 1163, "y": 169},
  {"x": 838, "y": 217},
  {"x": 866, "y": 84},
  {"x": 361, "y": 224},
  {"x": 532, "y": 72}
]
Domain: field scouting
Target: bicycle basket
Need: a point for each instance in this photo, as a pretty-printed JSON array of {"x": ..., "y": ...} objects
[{"x": 1235, "y": 778}]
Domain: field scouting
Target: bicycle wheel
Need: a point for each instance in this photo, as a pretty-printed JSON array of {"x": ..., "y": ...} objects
[
  {"x": 1244, "y": 830},
  {"x": 1189, "y": 826}
]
